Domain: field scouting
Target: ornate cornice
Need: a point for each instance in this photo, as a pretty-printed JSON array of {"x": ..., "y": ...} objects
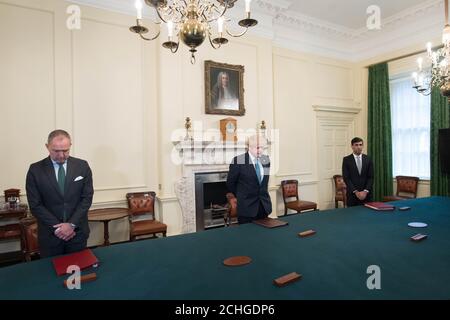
[
  {"x": 428, "y": 8},
  {"x": 299, "y": 32},
  {"x": 305, "y": 23},
  {"x": 323, "y": 28},
  {"x": 272, "y": 7}
]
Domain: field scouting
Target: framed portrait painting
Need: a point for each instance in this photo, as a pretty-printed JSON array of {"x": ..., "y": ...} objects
[{"x": 224, "y": 89}]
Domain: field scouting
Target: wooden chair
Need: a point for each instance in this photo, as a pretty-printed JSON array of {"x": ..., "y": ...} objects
[
  {"x": 231, "y": 214},
  {"x": 14, "y": 193},
  {"x": 10, "y": 230},
  {"x": 29, "y": 237},
  {"x": 289, "y": 188},
  {"x": 340, "y": 191},
  {"x": 406, "y": 188},
  {"x": 141, "y": 210},
  {"x": 12, "y": 197}
]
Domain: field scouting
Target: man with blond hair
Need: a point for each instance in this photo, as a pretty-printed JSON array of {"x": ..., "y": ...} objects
[{"x": 248, "y": 180}]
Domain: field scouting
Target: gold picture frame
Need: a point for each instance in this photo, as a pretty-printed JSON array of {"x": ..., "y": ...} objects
[{"x": 224, "y": 89}]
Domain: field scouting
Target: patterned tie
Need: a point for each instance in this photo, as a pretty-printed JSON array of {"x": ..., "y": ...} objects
[
  {"x": 258, "y": 172},
  {"x": 359, "y": 164}
]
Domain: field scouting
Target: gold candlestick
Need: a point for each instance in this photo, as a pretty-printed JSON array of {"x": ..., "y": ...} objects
[{"x": 188, "y": 126}]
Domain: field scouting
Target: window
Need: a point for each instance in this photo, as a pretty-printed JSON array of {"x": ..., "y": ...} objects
[{"x": 410, "y": 116}]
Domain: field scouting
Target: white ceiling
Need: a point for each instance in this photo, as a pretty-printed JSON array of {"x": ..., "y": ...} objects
[
  {"x": 350, "y": 13},
  {"x": 332, "y": 28}
]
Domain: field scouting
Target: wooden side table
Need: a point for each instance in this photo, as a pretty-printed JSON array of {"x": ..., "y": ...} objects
[
  {"x": 11, "y": 230},
  {"x": 106, "y": 215}
]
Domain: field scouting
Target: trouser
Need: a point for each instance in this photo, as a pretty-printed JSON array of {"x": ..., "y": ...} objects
[
  {"x": 260, "y": 215},
  {"x": 52, "y": 248},
  {"x": 353, "y": 201}
]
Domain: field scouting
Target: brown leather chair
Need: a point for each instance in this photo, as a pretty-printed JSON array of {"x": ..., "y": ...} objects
[
  {"x": 231, "y": 214},
  {"x": 15, "y": 193},
  {"x": 340, "y": 191},
  {"x": 141, "y": 210},
  {"x": 29, "y": 237},
  {"x": 406, "y": 188},
  {"x": 289, "y": 188}
]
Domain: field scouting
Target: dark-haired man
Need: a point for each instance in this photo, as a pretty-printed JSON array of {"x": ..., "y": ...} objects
[{"x": 357, "y": 170}]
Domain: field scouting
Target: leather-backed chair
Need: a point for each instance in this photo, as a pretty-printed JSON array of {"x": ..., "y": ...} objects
[
  {"x": 141, "y": 210},
  {"x": 406, "y": 188},
  {"x": 11, "y": 193},
  {"x": 289, "y": 189},
  {"x": 340, "y": 193},
  {"x": 29, "y": 237},
  {"x": 231, "y": 214}
]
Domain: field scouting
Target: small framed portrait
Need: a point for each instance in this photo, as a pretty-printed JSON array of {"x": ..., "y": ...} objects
[{"x": 224, "y": 89}]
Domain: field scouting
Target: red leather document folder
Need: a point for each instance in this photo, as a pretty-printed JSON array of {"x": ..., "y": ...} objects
[
  {"x": 83, "y": 259},
  {"x": 379, "y": 206},
  {"x": 270, "y": 223}
]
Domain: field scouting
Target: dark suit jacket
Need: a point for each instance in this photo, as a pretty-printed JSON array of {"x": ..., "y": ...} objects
[
  {"x": 47, "y": 203},
  {"x": 243, "y": 183},
  {"x": 355, "y": 181}
]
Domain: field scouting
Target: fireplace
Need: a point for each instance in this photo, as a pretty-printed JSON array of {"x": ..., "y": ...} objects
[
  {"x": 210, "y": 199},
  {"x": 204, "y": 163}
]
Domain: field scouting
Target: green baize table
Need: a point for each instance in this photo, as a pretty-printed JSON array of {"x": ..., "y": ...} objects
[{"x": 333, "y": 262}]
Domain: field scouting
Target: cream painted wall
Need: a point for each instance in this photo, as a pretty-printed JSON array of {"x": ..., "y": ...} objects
[
  {"x": 99, "y": 83},
  {"x": 299, "y": 82},
  {"x": 122, "y": 99},
  {"x": 403, "y": 66},
  {"x": 177, "y": 75}
]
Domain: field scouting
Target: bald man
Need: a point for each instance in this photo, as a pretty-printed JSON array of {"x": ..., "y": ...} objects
[{"x": 59, "y": 192}]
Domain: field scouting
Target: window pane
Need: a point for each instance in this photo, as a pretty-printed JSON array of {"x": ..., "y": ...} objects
[{"x": 410, "y": 113}]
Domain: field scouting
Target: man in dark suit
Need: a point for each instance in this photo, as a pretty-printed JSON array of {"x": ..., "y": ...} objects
[
  {"x": 357, "y": 170},
  {"x": 248, "y": 180},
  {"x": 59, "y": 191}
]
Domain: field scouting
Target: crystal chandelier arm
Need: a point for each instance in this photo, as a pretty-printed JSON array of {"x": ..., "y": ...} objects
[
  {"x": 221, "y": 13},
  {"x": 181, "y": 13},
  {"x": 171, "y": 11},
  {"x": 160, "y": 15}
]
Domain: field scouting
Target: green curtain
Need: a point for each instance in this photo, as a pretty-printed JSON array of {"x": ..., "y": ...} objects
[
  {"x": 379, "y": 130},
  {"x": 440, "y": 119}
]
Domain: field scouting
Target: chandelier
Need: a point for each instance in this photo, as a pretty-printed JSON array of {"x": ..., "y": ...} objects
[
  {"x": 438, "y": 74},
  {"x": 191, "y": 22}
]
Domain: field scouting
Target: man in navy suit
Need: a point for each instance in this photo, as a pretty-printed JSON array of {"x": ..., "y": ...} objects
[
  {"x": 357, "y": 170},
  {"x": 59, "y": 191},
  {"x": 248, "y": 180}
]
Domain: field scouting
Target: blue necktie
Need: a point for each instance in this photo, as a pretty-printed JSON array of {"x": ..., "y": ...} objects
[{"x": 258, "y": 172}]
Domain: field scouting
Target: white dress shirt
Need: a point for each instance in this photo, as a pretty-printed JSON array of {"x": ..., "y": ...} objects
[{"x": 56, "y": 167}]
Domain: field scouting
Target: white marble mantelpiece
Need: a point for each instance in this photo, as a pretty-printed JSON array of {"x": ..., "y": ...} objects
[
  {"x": 191, "y": 152},
  {"x": 200, "y": 156},
  {"x": 185, "y": 191}
]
